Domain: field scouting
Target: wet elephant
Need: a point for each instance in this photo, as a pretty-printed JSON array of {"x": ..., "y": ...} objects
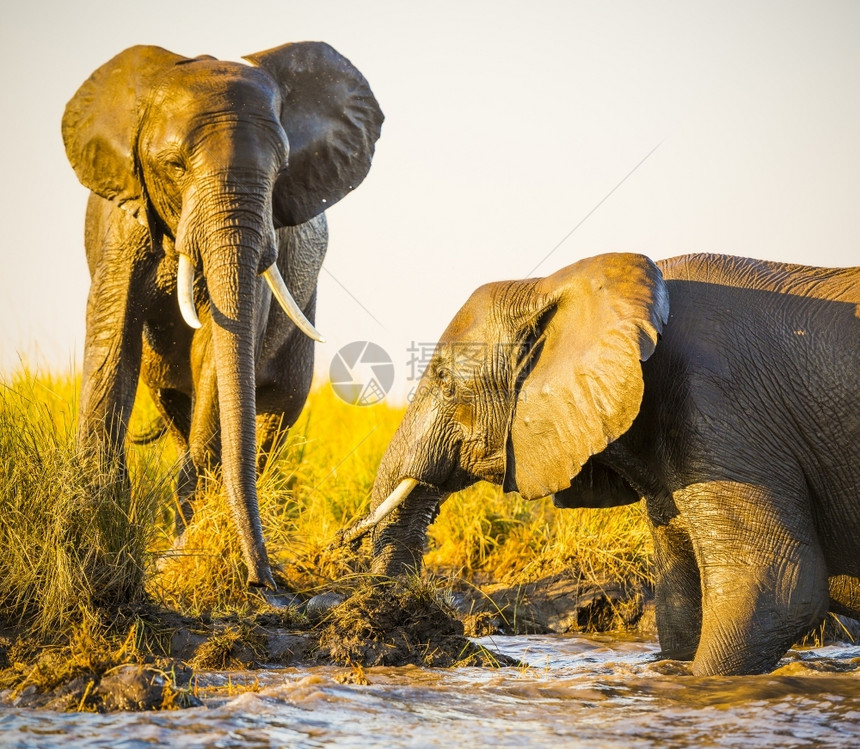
[
  {"x": 195, "y": 167},
  {"x": 723, "y": 390},
  {"x": 183, "y": 381}
]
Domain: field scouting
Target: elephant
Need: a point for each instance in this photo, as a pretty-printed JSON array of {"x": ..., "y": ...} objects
[
  {"x": 722, "y": 390},
  {"x": 208, "y": 183}
]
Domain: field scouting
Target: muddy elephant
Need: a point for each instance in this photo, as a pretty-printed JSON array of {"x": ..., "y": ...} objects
[
  {"x": 197, "y": 168},
  {"x": 722, "y": 390}
]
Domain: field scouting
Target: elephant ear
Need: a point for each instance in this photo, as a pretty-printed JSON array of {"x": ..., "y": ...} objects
[
  {"x": 597, "y": 320},
  {"x": 100, "y": 124},
  {"x": 332, "y": 121}
]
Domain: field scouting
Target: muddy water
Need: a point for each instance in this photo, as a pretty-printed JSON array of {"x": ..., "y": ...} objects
[{"x": 576, "y": 691}]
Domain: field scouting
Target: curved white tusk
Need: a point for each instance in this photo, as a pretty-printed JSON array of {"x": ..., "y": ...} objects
[
  {"x": 392, "y": 501},
  {"x": 370, "y": 521},
  {"x": 285, "y": 299},
  {"x": 185, "y": 290}
]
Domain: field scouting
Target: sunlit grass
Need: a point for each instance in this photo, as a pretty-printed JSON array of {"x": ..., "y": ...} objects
[
  {"x": 74, "y": 533},
  {"x": 483, "y": 534},
  {"x": 318, "y": 479},
  {"x": 74, "y": 540}
]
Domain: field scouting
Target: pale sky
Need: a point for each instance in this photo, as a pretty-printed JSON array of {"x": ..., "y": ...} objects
[{"x": 510, "y": 129}]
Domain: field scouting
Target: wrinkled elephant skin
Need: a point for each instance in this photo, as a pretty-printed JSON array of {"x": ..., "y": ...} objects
[
  {"x": 198, "y": 169},
  {"x": 722, "y": 390}
]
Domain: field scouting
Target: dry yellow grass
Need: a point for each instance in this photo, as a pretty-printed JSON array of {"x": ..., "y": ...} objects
[
  {"x": 317, "y": 480},
  {"x": 75, "y": 535},
  {"x": 484, "y": 534}
]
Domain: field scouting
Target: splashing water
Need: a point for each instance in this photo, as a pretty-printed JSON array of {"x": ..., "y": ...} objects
[{"x": 577, "y": 691}]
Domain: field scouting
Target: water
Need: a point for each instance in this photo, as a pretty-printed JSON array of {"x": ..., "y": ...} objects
[{"x": 577, "y": 691}]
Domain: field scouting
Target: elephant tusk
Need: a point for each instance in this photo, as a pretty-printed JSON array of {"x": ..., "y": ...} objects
[
  {"x": 285, "y": 299},
  {"x": 393, "y": 501},
  {"x": 185, "y": 290},
  {"x": 371, "y": 520}
]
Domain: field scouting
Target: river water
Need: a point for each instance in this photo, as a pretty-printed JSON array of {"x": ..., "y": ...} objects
[{"x": 577, "y": 691}]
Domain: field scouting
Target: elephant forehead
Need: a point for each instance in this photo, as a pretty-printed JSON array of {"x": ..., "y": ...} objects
[
  {"x": 475, "y": 322},
  {"x": 199, "y": 87}
]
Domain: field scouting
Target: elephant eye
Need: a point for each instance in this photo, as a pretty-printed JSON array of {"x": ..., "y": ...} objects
[
  {"x": 174, "y": 166},
  {"x": 446, "y": 382}
]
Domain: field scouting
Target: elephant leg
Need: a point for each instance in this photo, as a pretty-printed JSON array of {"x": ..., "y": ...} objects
[
  {"x": 281, "y": 399},
  {"x": 678, "y": 591},
  {"x": 204, "y": 442},
  {"x": 764, "y": 577},
  {"x": 174, "y": 408},
  {"x": 845, "y": 595},
  {"x": 112, "y": 352},
  {"x": 269, "y": 431},
  {"x": 186, "y": 491}
]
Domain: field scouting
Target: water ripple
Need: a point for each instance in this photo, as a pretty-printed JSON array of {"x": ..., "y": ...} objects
[{"x": 574, "y": 691}]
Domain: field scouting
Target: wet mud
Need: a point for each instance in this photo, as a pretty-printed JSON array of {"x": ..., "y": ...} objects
[
  {"x": 558, "y": 604},
  {"x": 381, "y": 623},
  {"x": 375, "y": 623},
  {"x": 394, "y": 624}
]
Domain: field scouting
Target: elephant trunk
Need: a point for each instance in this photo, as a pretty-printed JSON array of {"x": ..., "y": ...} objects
[
  {"x": 231, "y": 284},
  {"x": 230, "y": 234},
  {"x": 400, "y": 533}
]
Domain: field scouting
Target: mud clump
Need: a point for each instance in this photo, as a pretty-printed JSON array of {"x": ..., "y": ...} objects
[
  {"x": 389, "y": 623},
  {"x": 65, "y": 679},
  {"x": 234, "y": 647}
]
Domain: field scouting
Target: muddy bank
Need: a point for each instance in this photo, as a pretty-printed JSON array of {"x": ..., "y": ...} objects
[
  {"x": 380, "y": 623},
  {"x": 557, "y": 604},
  {"x": 375, "y": 622},
  {"x": 393, "y": 624}
]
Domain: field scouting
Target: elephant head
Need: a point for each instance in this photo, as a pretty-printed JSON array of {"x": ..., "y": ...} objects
[
  {"x": 209, "y": 158},
  {"x": 529, "y": 380}
]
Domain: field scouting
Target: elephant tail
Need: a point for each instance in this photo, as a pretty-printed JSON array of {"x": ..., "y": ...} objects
[{"x": 153, "y": 432}]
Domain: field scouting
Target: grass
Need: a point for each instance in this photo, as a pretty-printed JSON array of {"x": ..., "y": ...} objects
[
  {"x": 76, "y": 542},
  {"x": 483, "y": 534},
  {"x": 75, "y": 537}
]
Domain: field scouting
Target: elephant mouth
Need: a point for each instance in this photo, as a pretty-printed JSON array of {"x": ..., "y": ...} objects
[{"x": 274, "y": 279}]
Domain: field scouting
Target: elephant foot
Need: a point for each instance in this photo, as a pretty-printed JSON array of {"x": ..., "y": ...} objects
[
  {"x": 677, "y": 654},
  {"x": 320, "y": 605},
  {"x": 278, "y": 599},
  {"x": 315, "y": 608}
]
